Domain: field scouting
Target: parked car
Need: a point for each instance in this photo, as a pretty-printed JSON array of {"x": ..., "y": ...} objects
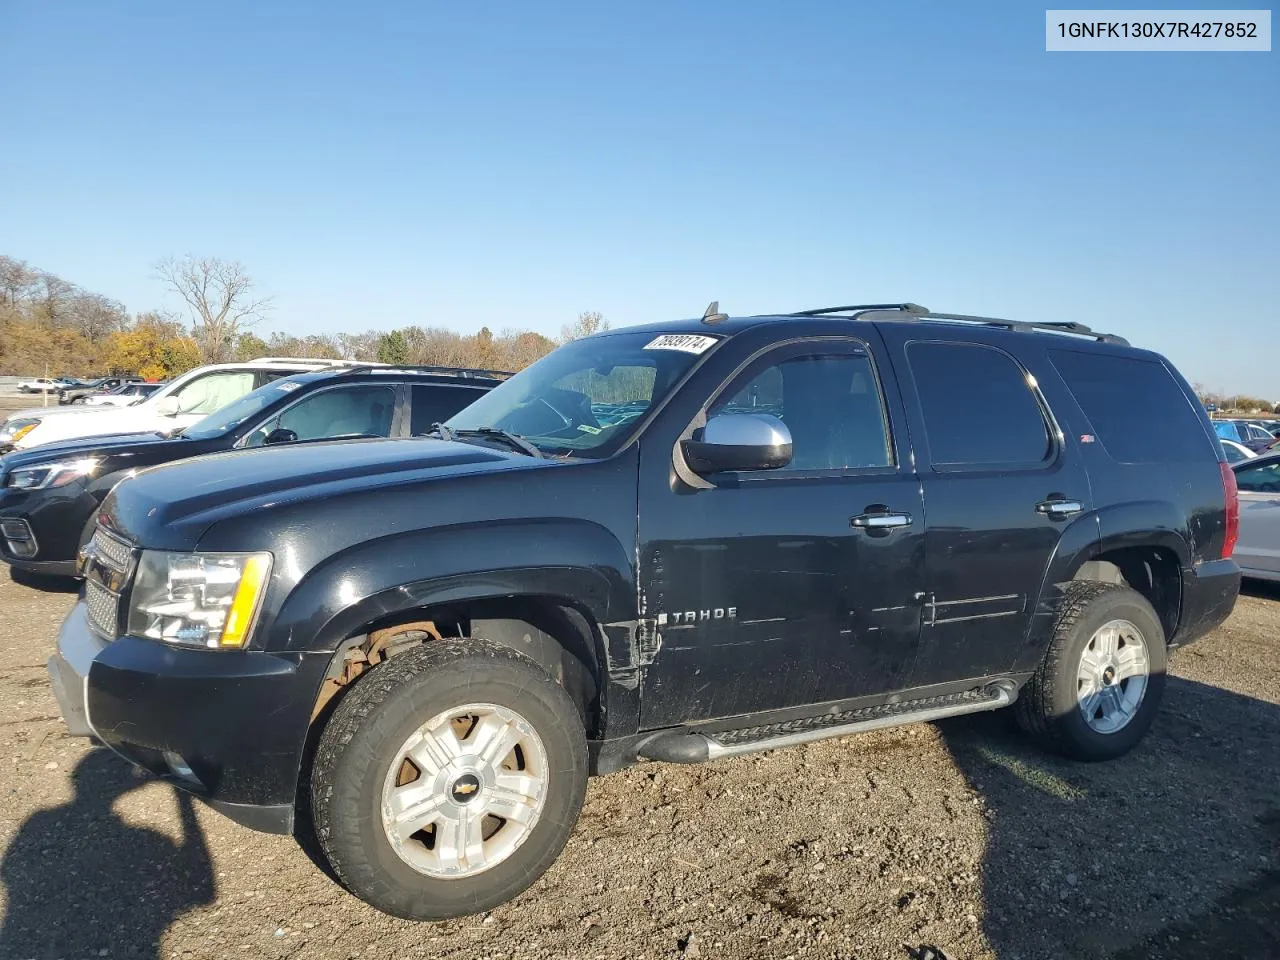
[
  {"x": 1258, "y": 551},
  {"x": 124, "y": 395},
  {"x": 180, "y": 403},
  {"x": 1236, "y": 452},
  {"x": 38, "y": 385},
  {"x": 49, "y": 493},
  {"x": 77, "y": 393},
  {"x": 677, "y": 542},
  {"x": 1250, "y": 435}
]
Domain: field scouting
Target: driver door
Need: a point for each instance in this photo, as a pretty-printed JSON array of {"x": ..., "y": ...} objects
[{"x": 770, "y": 589}]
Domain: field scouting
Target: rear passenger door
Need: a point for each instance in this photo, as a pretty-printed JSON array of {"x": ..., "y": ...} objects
[{"x": 999, "y": 489}]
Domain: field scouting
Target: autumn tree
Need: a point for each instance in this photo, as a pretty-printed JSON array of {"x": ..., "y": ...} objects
[
  {"x": 250, "y": 346},
  {"x": 156, "y": 347},
  {"x": 220, "y": 297}
]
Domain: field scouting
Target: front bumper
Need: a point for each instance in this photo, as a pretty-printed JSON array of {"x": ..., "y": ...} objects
[
  {"x": 1209, "y": 592},
  {"x": 228, "y": 727},
  {"x": 56, "y": 519}
]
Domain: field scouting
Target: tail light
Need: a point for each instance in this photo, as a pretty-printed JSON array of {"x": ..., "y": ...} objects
[{"x": 1232, "y": 495}]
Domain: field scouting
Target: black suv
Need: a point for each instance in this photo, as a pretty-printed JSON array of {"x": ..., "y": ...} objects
[
  {"x": 677, "y": 542},
  {"x": 48, "y": 493}
]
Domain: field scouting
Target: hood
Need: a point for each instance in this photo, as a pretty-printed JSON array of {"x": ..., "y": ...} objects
[
  {"x": 158, "y": 507},
  {"x": 53, "y": 410},
  {"x": 94, "y": 422},
  {"x": 105, "y": 446}
]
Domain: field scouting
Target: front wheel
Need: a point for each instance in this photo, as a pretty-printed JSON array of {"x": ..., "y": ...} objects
[
  {"x": 448, "y": 780},
  {"x": 1098, "y": 688}
]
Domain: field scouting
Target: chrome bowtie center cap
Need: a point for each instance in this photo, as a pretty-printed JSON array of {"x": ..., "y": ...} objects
[{"x": 465, "y": 788}]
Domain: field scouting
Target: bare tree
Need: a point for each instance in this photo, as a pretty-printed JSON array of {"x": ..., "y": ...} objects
[
  {"x": 588, "y": 322},
  {"x": 220, "y": 296}
]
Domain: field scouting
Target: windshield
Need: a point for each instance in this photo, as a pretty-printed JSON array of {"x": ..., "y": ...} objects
[
  {"x": 582, "y": 399},
  {"x": 238, "y": 411}
]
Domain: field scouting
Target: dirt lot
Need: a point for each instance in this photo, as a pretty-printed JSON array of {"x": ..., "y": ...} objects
[{"x": 958, "y": 836}]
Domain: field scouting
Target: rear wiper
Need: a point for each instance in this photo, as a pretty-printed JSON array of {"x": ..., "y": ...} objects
[{"x": 513, "y": 440}]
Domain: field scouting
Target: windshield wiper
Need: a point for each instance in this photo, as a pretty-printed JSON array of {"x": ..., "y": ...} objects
[{"x": 513, "y": 440}]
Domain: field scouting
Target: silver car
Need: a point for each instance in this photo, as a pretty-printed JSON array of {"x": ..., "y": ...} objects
[{"x": 1258, "y": 551}]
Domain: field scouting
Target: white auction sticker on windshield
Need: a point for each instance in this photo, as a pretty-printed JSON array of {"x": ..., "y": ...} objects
[{"x": 685, "y": 342}]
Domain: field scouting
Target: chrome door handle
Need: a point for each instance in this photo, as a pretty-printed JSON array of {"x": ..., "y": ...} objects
[
  {"x": 881, "y": 521},
  {"x": 1059, "y": 508}
]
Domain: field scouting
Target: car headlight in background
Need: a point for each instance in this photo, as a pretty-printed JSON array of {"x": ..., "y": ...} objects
[
  {"x": 57, "y": 474},
  {"x": 198, "y": 599}
]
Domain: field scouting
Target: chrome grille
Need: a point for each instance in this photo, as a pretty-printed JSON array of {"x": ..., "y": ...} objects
[
  {"x": 112, "y": 550},
  {"x": 104, "y": 609},
  {"x": 107, "y": 563}
]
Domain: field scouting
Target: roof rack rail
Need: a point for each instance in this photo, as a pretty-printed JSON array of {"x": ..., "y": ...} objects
[
  {"x": 463, "y": 372},
  {"x": 910, "y": 312},
  {"x": 911, "y": 308}
]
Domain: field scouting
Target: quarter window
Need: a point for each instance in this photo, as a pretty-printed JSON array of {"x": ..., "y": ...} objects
[
  {"x": 1138, "y": 411},
  {"x": 979, "y": 406},
  {"x": 830, "y": 403}
]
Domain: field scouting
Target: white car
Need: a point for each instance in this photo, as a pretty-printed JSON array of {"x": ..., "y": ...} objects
[
  {"x": 1236, "y": 452},
  {"x": 124, "y": 395},
  {"x": 179, "y": 403},
  {"x": 39, "y": 385}
]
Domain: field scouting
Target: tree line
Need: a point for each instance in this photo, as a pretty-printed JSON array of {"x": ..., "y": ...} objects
[{"x": 52, "y": 326}]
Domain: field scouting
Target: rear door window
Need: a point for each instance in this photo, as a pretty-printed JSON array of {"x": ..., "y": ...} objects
[
  {"x": 979, "y": 407},
  {"x": 434, "y": 403},
  {"x": 1138, "y": 411}
]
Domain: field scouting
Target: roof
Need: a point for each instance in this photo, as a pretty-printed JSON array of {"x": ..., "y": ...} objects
[
  {"x": 453, "y": 376},
  {"x": 714, "y": 322}
]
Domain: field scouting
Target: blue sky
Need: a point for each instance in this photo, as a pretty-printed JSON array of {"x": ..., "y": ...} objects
[{"x": 512, "y": 164}]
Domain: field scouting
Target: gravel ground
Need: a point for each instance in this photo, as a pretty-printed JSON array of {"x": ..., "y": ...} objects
[{"x": 956, "y": 836}]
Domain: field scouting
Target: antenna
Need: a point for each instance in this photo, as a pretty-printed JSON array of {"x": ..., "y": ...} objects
[{"x": 713, "y": 314}]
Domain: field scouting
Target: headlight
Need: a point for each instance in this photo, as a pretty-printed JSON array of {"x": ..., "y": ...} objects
[
  {"x": 15, "y": 430},
  {"x": 57, "y": 474},
  {"x": 198, "y": 599}
]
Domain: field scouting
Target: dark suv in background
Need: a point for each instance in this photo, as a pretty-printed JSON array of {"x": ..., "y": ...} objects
[
  {"x": 678, "y": 542},
  {"x": 75, "y": 393},
  {"x": 48, "y": 493}
]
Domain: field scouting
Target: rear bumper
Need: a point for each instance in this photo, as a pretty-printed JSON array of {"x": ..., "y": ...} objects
[
  {"x": 1209, "y": 592},
  {"x": 227, "y": 727}
]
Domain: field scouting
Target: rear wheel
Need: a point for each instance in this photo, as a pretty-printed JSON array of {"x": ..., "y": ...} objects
[
  {"x": 448, "y": 780},
  {"x": 1098, "y": 688}
]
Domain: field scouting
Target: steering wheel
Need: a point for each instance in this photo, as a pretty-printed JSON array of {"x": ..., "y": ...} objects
[{"x": 582, "y": 415}]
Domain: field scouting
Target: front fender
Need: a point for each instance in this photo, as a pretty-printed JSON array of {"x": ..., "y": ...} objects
[{"x": 575, "y": 561}]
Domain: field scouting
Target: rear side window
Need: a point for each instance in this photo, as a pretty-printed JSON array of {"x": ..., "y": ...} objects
[
  {"x": 1138, "y": 411},
  {"x": 979, "y": 406},
  {"x": 436, "y": 403}
]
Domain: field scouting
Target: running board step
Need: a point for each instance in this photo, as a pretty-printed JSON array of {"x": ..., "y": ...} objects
[{"x": 687, "y": 745}]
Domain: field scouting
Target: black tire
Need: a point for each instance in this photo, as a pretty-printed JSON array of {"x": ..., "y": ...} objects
[
  {"x": 1047, "y": 706},
  {"x": 368, "y": 728}
]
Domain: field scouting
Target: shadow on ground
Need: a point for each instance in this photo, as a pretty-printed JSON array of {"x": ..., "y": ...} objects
[
  {"x": 83, "y": 883},
  {"x": 44, "y": 584},
  {"x": 1154, "y": 855}
]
